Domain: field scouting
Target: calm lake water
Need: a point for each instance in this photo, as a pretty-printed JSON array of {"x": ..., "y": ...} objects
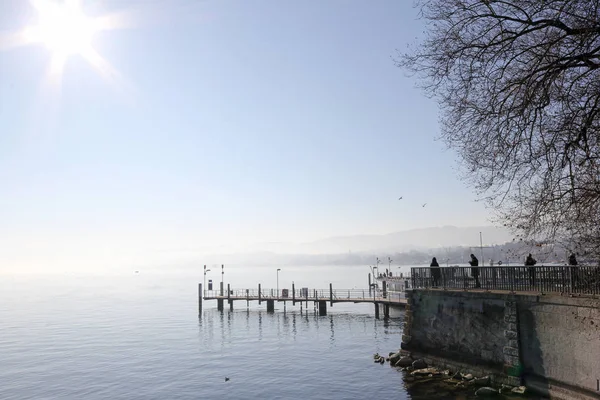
[{"x": 138, "y": 336}]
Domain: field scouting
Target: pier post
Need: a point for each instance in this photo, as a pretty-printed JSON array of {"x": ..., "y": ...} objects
[
  {"x": 331, "y": 295},
  {"x": 220, "y": 304},
  {"x": 229, "y": 297},
  {"x": 270, "y": 305},
  {"x": 322, "y": 307},
  {"x": 376, "y": 311},
  {"x": 259, "y": 295},
  {"x": 369, "y": 283},
  {"x": 384, "y": 288},
  {"x": 221, "y": 288},
  {"x": 294, "y": 294},
  {"x": 386, "y": 311},
  {"x": 199, "y": 299}
]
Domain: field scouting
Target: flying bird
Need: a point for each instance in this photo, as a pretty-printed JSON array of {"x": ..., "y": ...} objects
[
  {"x": 400, "y": 198},
  {"x": 424, "y": 205},
  {"x": 226, "y": 379}
]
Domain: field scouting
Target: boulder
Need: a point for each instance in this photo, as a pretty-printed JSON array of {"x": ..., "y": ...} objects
[
  {"x": 467, "y": 377},
  {"x": 483, "y": 381},
  {"x": 486, "y": 391},
  {"x": 505, "y": 388},
  {"x": 519, "y": 390},
  {"x": 403, "y": 362},
  {"x": 419, "y": 364},
  {"x": 457, "y": 376},
  {"x": 452, "y": 381},
  {"x": 394, "y": 357},
  {"x": 425, "y": 372}
]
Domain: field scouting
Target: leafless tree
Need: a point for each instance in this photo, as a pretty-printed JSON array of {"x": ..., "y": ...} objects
[{"x": 518, "y": 83}]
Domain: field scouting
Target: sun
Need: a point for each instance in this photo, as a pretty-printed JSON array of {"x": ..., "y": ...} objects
[
  {"x": 64, "y": 30},
  {"x": 62, "y": 27}
]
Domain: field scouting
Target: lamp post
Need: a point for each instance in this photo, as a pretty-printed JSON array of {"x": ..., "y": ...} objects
[
  {"x": 222, "y": 274},
  {"x": 390, "y": 265},
  {"x": 205, "y": 271},
  {"x": 278, "y": 269}
]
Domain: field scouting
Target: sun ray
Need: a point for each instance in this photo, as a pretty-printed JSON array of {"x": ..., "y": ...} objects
[
  {"x": 12, "y": 40},
  {"x": 107, "y": 72}
]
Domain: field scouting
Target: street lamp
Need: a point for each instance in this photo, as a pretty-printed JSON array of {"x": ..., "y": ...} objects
[
  {"x": 205, "y": 271},
  {"x": 278, "y": 269},
  {"x": 390, "y": 265}
]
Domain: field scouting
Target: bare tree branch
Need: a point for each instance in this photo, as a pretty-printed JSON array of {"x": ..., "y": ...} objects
[{"x": 518, "y": 82}]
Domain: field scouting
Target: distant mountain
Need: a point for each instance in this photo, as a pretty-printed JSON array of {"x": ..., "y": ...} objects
[{"x": 414, "y": 239}]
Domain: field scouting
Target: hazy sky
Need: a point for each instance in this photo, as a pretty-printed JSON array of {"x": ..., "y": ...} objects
[{"x": 223, "y": 123}]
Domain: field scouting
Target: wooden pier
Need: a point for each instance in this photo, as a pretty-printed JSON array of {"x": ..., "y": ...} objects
[{"x": 319, "y": 297}]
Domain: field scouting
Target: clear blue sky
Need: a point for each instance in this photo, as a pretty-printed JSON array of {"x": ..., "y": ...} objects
[{"x": 232, "y": 122}]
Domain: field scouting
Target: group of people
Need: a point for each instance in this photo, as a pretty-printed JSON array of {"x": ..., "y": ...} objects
[
  {"x": 436, "y": 273},
  {"x": 386, "y": 274}
]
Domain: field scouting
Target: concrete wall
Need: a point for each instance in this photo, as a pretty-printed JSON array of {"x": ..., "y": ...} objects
[
  {"x": 560, "y": 341},
  {"x": 551, "y": 343},
  {"x": 462, "y": 326}
]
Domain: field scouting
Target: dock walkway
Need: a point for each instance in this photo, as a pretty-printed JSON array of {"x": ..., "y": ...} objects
[{"x": 319, "y": 297}]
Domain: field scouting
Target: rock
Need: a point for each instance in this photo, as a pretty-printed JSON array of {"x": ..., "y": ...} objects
[
  {"x": 425, "y": 372},
  {"x": 519, "y": 390},
  {"x": 452, "y": 381},
  {"x": 381, "y": 360},
  {"x": 486, "y": 392},
  {"x": 391, "y": 353},
  {"x": 403, "y": 362},
  {"x": 467, "y": 377},
  {"x": 376, "y": 356},
  {"x": 419, "y": 364},
  {"x": 457, "y": 376},
  {"x": 483, "y": 381},
  {"x": 394, "y": 357},
  {"x": 505, "y": 388}
]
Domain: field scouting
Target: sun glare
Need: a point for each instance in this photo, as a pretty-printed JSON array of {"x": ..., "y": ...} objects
[{"x": 62, "y": 28}]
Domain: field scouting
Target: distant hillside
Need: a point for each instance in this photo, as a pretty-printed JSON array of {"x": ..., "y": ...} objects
[{"x": 414, "y": 239}]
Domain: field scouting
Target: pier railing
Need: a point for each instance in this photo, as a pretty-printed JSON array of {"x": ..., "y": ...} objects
[
  {"x": 544, "y": 279},
  {"x": 308, "y": 294}
]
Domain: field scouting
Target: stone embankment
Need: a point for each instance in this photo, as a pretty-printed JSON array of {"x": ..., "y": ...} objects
[{"x": 418, "y": 372}]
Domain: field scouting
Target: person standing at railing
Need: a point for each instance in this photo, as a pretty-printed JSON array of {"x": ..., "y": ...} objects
[
  {"x": 574, "y": 271},
  {"x": 436, "y": 273},
  {"x": 530, "y": 262},
  {"x": 475, "y": 270}
]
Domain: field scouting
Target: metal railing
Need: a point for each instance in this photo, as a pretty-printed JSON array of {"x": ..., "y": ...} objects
[
  {"x": 561, "y": 279},
  {"x": 308, "y": 294}
]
